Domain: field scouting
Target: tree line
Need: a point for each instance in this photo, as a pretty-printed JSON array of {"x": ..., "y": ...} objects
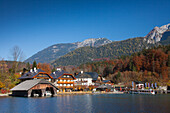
[
  {"x": 149, "y": 65},
  {"x": 111, "y": 50}
]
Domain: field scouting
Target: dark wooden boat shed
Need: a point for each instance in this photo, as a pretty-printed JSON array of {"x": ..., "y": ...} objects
[{"x": 35, "y": 87}]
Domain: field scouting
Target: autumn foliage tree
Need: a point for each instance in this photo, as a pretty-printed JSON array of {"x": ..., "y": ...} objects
[
  {"x": 45, "y": 67},
  {"x": 147, "y": 65},
  {"x": 137, "y": 60}
]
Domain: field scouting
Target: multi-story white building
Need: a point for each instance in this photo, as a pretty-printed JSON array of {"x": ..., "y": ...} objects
[{"x": 85, "y": 79}]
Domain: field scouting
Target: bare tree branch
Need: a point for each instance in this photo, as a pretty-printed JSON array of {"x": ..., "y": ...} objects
[{"x": 17, "y": 56}]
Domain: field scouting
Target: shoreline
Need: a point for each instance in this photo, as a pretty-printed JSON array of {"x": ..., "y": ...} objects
[
  {"x": 5, "y": 95},
  {"x": 72, "y": 93},
  {"x": 89, "y": 92}
]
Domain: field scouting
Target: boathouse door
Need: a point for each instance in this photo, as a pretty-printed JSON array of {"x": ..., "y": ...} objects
[
  {"x": 49, "y": 91},
  {"x": 36, "y": 93}
]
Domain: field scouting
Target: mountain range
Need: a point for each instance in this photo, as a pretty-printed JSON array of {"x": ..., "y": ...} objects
[
  {"x": 53, "y": 52},
  {"x": 101, "y": 48}
]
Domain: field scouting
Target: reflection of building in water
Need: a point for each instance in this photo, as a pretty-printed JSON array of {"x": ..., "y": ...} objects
[{"x": 89, "y": 104}]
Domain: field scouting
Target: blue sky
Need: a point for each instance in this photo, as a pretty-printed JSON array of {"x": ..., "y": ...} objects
[{"x": 36, "y": 24}]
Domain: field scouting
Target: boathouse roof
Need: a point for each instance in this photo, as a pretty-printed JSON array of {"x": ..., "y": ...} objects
[{"x": 28, "y": 84}]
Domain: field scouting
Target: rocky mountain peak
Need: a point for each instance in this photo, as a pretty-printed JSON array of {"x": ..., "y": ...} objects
[
  {"x": 94, "y": 42},
  {"x": 57, "y": 50},
  {"x": 155, "y": 35}
]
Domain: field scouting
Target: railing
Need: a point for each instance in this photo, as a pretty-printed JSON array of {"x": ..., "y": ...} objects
[
  {"x": 65, "y": 82},
  {"x": 65, "y": 87}
]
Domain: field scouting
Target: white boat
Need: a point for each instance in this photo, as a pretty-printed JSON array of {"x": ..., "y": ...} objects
[
  {"x": 142, "y": 91},
  {"x": 48, "y": 93}
]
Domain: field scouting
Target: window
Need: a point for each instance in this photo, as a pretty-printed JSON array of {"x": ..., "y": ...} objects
[
  {"x": 64, "y": 84},
  {"x": 71, "y": 84},
  {"x": 60, "y": 84}
]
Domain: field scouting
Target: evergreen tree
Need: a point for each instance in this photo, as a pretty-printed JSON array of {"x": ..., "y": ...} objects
[
  {"x": 28, "y": 66},
  {"x": 34, "y": 64},
  {"x": 53, "y": 70},
  {"x": 131, "y": 66}
]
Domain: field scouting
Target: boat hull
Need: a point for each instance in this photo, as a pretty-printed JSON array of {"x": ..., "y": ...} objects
[{"x": 147, "y": 92}]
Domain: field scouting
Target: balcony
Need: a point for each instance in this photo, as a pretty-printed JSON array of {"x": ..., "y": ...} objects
[
  {"x": 65, "y": 82},
  {"x": 65, "y": 87}
]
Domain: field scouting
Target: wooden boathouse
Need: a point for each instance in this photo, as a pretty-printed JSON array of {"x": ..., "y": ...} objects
[{"x": 35, "y": 87}]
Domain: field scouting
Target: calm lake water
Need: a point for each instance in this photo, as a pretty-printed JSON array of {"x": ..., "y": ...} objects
[{"x": 102, "y": 103}]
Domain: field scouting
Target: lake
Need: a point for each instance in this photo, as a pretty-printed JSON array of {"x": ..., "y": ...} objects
[{"x": 99, "y": 103}]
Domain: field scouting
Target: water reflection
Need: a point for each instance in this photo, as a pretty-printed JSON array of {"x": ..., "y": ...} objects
[{"x": 87, "y": 104}]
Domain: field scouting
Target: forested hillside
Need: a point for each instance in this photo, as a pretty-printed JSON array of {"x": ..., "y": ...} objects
[
  {"x": 55, "y": 51},
  {"x": 112, "y": 50},
  {"x": 149, "y": 65}
]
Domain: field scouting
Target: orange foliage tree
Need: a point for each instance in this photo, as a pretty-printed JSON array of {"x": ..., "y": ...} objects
[
  {"x": 45, "y": 67},
  {"x": 138, "y": 62}
]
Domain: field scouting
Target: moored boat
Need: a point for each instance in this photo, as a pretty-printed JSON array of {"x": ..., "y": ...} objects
[{"x": 142, "y": 91}]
